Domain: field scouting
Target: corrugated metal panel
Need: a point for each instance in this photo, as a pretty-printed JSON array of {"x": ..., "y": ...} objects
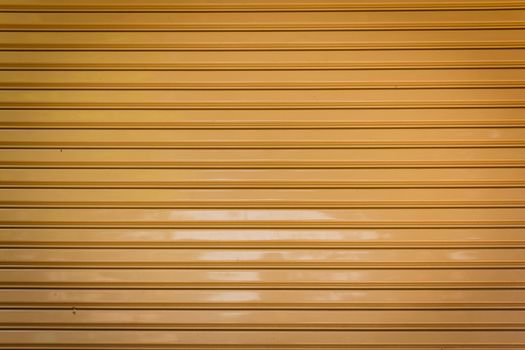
[{"x": 298, "y": 174}]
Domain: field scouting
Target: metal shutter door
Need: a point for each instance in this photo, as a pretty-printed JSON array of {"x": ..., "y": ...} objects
[{"x": 294, "y": 174}]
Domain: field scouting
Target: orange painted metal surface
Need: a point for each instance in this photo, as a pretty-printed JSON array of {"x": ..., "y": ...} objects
[{"x": 299, "y": 174}]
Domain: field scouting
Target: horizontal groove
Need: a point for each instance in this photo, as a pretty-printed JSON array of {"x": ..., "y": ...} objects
[
  {"x": 262, "y": 164},
  {"x": 262, "y": 204},
  {"x": 260, "y": 66},
  {"x": 200, "y": 27},
  {"x": 264, "y": 86},
  {"x": 262, "y": 184},
  {"x": 264, "y": 105},
  {"x": 262, "y": 144},
  {"x": 262, "y": 46},
  {"x": 258, "y": 124},
  {"x": 189, "y": 6}
]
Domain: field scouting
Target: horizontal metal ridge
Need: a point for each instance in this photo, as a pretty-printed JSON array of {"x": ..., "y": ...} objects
[
  {"x": 259, "y": 245},
  {"x": 261, "y": 179},
  {"x": 226, "y": 21},
  {"x": 264, "y": 164},
  {"x": 323, "y": 346},
  {"x": 231, "y": 281},
  {"x": 94, "y": 305},
  {"x": 316, "y": 300},
  {"x": 501, "y": 44},
  {"x": 262, "y": 224},
  {"x": 328, "y": 345},
  {"x": 179, "y": 27},
  {"x": 177, "y": 239},
  {"x": 267, "y": 285},
  {"x": 263, "y": 86},
  {"x": 262, "y": 259},
  {"x": 263, "y": 184},
  {"x": 257, "y": 80},
  {"x": 259, "y": 319},
  {"x": 121, "y": 340},
  {"x": 326, "y": 326},
  {"x": 260, "y": 66},
  {"x": 262, "y": 198},
  {"x": 266, "y": 204},
  {"x": 298, "y": 265},
  {"x": 233, "y": 6},
  {"x": 279, "y": 340},
  {"x": 185, "y": 346},
  {"x": 259, "y": 218},
  {"x": 261, "y": 144},
  {"x": 261, "y": 124},
  {"x": 265, "y": 105}
]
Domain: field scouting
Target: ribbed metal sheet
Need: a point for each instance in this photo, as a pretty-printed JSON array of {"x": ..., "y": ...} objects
[{"x": 296, "y": 174}]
